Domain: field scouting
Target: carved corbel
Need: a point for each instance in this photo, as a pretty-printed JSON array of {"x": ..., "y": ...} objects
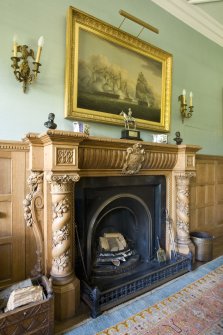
[
  {"x": 33, "y": 204},
  {"x": 134, "y": 159}
]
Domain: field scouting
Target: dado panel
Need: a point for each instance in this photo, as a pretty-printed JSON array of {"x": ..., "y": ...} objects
[
  {"x": 12, "y": 226},
  {"x": 206, "y": 196}
]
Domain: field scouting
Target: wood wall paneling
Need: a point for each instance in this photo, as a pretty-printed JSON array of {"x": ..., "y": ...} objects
[
  {"x": 206, "y": 196},
  {"x": 12, "y": 228}
]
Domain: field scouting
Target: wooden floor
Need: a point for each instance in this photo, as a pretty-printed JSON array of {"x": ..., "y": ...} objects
[{"x": 83, "y": 312}]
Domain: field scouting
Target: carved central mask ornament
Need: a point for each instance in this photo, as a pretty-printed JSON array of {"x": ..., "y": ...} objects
[{"x": 134, "y": 159}]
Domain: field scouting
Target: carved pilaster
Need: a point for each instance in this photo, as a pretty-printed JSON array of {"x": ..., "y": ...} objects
[
  {"x": 62, "y": 253},
  {"x": 33, "y": 209},
  {"x": 183, "y": 215},
  {"x": 65, "y": 285}
]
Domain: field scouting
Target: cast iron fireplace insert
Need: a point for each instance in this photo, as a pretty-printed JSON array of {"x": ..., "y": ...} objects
[{"x": 132, "y": 207}]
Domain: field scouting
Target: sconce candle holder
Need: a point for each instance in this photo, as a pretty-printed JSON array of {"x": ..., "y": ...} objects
[
  {"x": 185, "y": 114},
  {"x": 21, "y": 64}
]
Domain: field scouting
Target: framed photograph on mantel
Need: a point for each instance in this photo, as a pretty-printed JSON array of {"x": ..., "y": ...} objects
[{"x": 109, "y": 71}]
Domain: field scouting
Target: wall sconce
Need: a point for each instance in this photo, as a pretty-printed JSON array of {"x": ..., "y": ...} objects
[
  {"x": 183, "y": 106},
  {"x": 21, "y": 65}
]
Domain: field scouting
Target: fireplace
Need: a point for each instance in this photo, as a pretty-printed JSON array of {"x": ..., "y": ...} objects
[
  {"x": 127, "y": 209},
  {"x": 114, "y": 192},
  {"x": 131, "y": 206}
]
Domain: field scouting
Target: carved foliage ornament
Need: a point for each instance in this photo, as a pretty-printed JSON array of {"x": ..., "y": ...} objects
[
  {"x": 183, "y": 213},
  {"x": 58, "y": 179},
  {"x": 61, "y": 183},
  {"x": 33, "y": 204},
  {"x": 61, "y": 235},
  {"x": 34, "y": 198},
  {"x": 134, "y": 159}
]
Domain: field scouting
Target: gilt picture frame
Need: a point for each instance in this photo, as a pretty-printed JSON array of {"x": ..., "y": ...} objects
[{"x": 109, "y": 71}]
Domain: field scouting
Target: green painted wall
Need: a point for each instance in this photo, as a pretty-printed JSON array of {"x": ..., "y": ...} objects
[{"x": 197, "y": 67}]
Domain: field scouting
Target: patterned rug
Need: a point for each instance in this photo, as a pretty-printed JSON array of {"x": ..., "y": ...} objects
[
  {"x": 190, "y": 304},
  {"x": 196, "y": 309}
]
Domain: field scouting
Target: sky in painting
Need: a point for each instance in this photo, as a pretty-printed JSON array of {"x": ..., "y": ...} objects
[{"x": 128, "y": 61}]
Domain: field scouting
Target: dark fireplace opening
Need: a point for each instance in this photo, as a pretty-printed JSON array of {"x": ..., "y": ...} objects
[
  {"x": 119, "y": 221},
  {"x": 122, "y": 237},
  {"x": 130, "y": 206}
]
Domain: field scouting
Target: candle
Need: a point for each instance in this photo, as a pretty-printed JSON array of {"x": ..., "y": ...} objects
[
  {"x": 184, "y": 96},
  {"x": 14, "y": 46},
  {"x": 40, "y": 46},
  {"x": 191, "y": 101}
]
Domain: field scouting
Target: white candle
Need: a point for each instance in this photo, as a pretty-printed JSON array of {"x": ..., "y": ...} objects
[
  {"x": 40, "y": 46},
  {"x": 41, "y": 41},
  {"x": 184, "y": 96},
  {"x": 14, "y": 46},
  {"x": 191, "y": 99}
]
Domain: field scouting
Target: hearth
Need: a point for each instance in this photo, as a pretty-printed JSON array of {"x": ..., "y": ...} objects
[{"x": 119, "y": 221}]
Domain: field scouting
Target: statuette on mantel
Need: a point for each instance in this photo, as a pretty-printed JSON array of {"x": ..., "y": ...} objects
[{"x": 50, "y": 123}]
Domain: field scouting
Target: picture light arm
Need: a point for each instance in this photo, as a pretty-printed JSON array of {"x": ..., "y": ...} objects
[{"x": 136, "y": 20}]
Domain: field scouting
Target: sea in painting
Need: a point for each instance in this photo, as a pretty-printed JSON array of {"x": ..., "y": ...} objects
[{"x": 108, "y": 83}]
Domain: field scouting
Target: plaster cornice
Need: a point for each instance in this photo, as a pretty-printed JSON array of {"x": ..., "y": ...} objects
[{"x": 195, "y": 17}]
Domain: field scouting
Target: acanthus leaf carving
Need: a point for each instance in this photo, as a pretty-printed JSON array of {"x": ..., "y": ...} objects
[{"x": 61, "y": 182}]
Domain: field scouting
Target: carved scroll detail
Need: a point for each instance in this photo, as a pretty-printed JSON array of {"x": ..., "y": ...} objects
[
  {"x": 134, "y": 158},
  {"x": 33, "y": 204}
]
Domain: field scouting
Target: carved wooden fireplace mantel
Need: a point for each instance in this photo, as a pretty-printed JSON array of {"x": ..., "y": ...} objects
[{"x": 57, "y": 161}]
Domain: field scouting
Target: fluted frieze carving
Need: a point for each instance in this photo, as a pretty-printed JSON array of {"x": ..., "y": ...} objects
[
  {"x": 114, "y": 158},
  {"x": 33, "y": 204}
]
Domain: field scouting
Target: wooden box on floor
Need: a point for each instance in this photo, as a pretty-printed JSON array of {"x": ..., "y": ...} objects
[{"x": 35, "y": 318}]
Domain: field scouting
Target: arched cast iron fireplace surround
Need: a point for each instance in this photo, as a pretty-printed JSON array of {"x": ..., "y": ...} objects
[{"x": 133, "y": 206}]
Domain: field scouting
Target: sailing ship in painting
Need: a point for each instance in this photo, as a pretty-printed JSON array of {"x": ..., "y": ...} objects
[
  {"x": 106, "y": 87},
  {"x": 106, "y": 82},
  {"x": 144, "y": 94}
]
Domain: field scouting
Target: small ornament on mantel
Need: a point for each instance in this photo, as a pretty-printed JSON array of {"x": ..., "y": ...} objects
[
  {"x": 50, "y": 123},
  {"x": 130, "y": 132},
  {"x": 178, "y": 139}
]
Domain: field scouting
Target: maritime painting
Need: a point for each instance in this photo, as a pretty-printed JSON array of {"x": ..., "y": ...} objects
[
  {"x": 109, "y": 71},
  {"x": 112, "y": 78}
]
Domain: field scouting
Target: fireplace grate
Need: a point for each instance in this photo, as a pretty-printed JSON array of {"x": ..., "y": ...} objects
[{"x": 99, "y": 301}]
